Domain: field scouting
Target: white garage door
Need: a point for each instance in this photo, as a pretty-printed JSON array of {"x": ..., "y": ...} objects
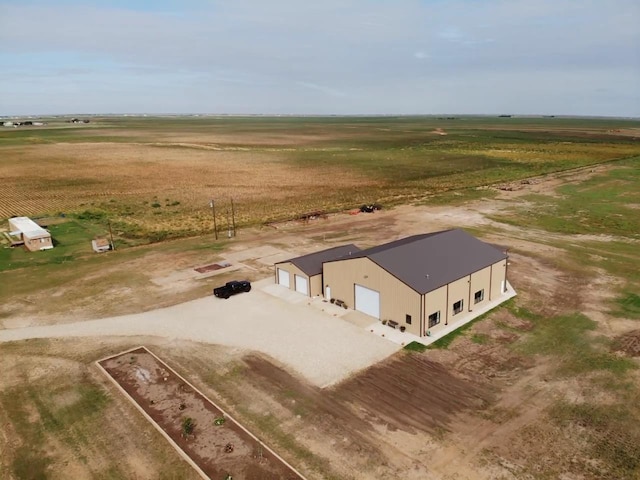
[
  {"x": 302, "y": 285},
  {"x": 368, "y": 301},
  {"x": 283, "y": 278}
]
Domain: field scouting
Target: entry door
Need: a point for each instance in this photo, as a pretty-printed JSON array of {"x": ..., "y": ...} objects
[
  {"x": 302, "y": 285},
  {"x": 283, "y": 278},
  {"x": 367, "y": 301},
  {"x": 327, "y": 293}
]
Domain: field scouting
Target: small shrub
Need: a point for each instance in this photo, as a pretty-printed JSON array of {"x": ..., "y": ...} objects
[
  {"x": 188, "y": 425},
  {"x": 479, "y": 338},
  {"x": 629, "y": 306},
  {"x": 91, "y": 215},
  {"x": 155, "y": 205}
]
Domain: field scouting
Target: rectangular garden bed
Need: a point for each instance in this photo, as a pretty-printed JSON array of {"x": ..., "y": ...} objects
[{"x": 215, "y": 444}]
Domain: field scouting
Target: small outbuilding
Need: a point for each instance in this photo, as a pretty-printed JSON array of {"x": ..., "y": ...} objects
[
  {"x": 30, "y": 233},
  {"x": 100, "y": 245},
  {"x": 304, "y": 274}
]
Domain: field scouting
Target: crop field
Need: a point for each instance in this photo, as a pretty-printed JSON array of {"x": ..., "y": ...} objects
[
  {"x": 153, "y": 178},
  {"x": 546, "y": 386}
]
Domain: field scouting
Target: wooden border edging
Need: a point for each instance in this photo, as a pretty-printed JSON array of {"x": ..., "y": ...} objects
[{"x": 180, "y": 451}]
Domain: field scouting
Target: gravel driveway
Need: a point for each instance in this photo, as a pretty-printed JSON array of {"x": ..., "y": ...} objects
[{"x": 322, "y": 348}]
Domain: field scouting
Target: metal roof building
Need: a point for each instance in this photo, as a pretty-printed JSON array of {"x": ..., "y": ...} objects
[
  {"x": 422, "y": 283},
  {"x": 429, "y": 261}
]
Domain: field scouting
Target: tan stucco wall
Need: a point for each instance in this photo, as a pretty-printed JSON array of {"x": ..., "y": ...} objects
[
  {"x": 293, "y": 271},
  {"x": 498, "y": 272},
  {"x": 464, "y": 289},
  {"x": 396, "y": 299},
  {"x": 458, "y": 290},
  {"x": 480, "y": 280},
  {"x": 315, "y": 286},
  {"x": 434, "y": 301}
]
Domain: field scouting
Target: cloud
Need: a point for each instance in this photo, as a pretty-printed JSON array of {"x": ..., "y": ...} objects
[
  {"x": 286, "y": 56},
  {"x": 327, "y": 90}
]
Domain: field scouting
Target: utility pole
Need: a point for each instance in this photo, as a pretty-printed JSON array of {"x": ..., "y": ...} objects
[
  {"x": 233, "y": 217},
  {"x": 213, "y": 211},
  {"x": 113, "y": 245}
]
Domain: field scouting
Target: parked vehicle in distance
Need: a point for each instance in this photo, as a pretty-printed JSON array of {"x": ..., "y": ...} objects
[{"x": 231, "y": 288}]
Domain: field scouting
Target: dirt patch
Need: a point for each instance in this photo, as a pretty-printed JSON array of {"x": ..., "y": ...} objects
[
  {"x": 407, "y": 392},
  {"x": 212, "y": 268},
  {"x": 629, "y": 344},
  {"x": 413, "y": 393},
  {"x": 213, "y": 440},
  {"x": 332, "y": 411}
]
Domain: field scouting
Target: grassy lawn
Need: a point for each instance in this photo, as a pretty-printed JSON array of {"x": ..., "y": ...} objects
[
  {"x": 606, "y": 204},
  {"x": 71, "y": 239},
  {"x": 568, "y": 338}
]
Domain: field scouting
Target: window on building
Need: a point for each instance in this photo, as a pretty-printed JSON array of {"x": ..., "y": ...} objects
[
  {"x": 434, "y": 319},
  {"x": 408, "y": 319},
  {"x": 479, "y": 296},
  {"x": 458, "y": 306}
]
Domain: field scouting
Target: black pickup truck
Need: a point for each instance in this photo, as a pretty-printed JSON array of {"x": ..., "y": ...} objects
[{"x": 231, "y": 288}]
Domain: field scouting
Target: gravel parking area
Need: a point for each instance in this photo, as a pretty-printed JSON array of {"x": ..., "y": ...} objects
[{"x": 317, "y": 345}]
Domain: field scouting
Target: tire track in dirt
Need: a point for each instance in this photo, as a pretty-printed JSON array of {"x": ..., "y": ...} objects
[
  {"x": 410, "y": 392},
  {"x": 407, "y": 392}
]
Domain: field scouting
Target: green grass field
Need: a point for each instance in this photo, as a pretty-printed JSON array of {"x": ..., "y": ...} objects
[{"x": 608, "y": 205}]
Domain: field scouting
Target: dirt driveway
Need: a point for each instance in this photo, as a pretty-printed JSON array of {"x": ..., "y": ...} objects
[{"x": 322, "y": 348}]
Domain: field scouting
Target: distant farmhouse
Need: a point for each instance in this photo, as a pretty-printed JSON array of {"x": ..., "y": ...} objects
[
  {"x": 28, "y": 123},
  {"x": 424, "y": 283},
  {"x": 28, "y": 232}
]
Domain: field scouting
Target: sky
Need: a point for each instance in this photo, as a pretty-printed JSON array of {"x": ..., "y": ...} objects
[{"x": 536, "y": 57}]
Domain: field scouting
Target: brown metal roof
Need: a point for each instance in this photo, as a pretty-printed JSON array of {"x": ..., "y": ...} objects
[
  {"x": 429, "y": 261},
  {"x": 311, "y": 264}
]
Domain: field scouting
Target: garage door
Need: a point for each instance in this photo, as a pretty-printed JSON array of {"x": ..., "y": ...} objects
[
  {"x": 302, "y": 285},
  {"x": 368, "y": 301},
  {"x": 283, "y": 278}
]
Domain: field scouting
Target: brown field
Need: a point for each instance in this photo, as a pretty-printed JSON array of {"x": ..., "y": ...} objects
[
  {"x": 120, "y": 176},
  {"x": 546, "y": 387},
  {"x": 154, "y": 177}
]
